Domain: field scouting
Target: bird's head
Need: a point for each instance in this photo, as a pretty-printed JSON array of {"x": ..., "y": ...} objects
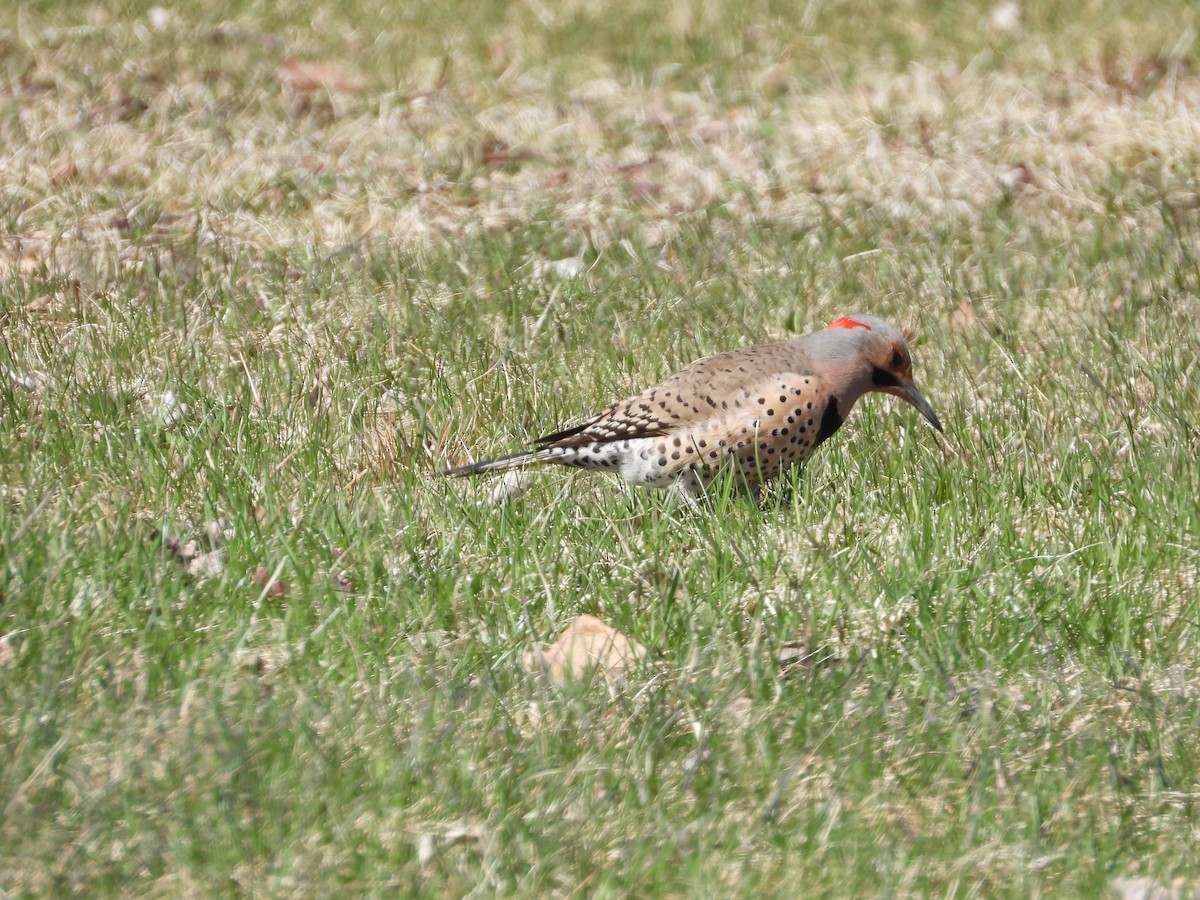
[{"x": 883, "y": 357}]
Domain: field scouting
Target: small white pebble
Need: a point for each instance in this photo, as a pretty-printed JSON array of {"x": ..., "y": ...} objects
[{"x": 160, "y": 18}]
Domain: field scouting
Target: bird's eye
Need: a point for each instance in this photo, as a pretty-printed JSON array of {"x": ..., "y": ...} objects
[{"x": 897, "y": 359}]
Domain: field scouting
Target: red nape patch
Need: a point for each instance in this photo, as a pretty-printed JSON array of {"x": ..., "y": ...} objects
[{"x": 847, "y": 322}]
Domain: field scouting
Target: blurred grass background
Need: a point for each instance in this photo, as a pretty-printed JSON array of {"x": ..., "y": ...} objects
[{"x": 262, "y": 271}]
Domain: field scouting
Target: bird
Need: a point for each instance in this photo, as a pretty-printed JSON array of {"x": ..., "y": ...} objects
[{"x": 757, "y": 410}]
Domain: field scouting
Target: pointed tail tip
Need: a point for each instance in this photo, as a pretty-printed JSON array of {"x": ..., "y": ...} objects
[
  {"x": 457, "y": 471},
  {"x": 468, "y": 469}
]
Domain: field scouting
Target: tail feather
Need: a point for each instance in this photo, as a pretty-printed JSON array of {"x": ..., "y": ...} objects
[
  {"x": 517, "y": 460},
  {"x": 581, "y": 457},
  {"x": 608, "y": 455}
]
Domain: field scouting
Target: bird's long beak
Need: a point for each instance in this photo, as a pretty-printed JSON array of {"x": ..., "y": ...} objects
[{"x": 909, "y": 392}]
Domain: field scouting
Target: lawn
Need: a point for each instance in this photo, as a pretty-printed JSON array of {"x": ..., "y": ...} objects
[{"x": 265, "y": 269}]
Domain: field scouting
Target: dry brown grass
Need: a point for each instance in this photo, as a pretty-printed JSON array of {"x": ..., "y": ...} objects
[{"x": 98, "y": 173}]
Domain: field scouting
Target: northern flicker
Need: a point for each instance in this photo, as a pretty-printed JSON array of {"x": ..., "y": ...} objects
[{"x": 757, "y": 410}]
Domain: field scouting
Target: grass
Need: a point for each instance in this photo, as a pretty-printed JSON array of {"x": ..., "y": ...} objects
[{"x": 949, "y": 666}]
